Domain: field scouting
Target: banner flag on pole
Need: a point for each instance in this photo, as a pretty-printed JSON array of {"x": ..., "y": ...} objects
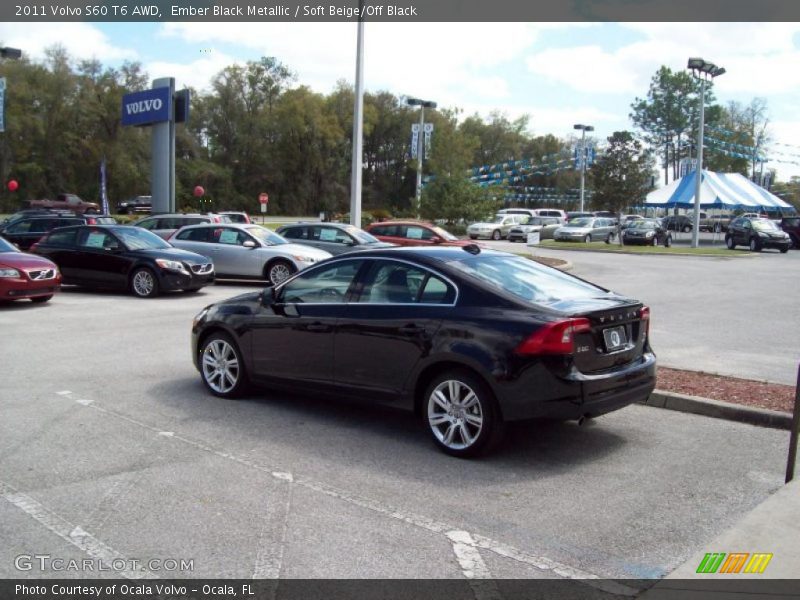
[
  {"x": 428, "y": 132},
  {"x": 103, "y": 192},
  {"x": 2, "y": 104},
  {"x": 414, "y": 140}
]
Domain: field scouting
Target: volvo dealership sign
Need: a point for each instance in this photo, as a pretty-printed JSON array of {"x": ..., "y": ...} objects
[{"x": 147, "y": 107}]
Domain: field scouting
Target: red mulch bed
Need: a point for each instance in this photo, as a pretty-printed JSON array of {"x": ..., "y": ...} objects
[{"x": 774, "y": 396}]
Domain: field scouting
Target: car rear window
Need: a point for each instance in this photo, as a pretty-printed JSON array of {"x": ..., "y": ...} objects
[{"x": 526, "y": 279}]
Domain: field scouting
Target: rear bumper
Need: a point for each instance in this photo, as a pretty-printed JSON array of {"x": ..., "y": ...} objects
[{"x": 539, "y": 393}]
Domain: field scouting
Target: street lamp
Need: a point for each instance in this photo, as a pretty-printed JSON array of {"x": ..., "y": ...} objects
[
  {"x": 703, "y": 71},
  {"x": 14, "y": 53},
  {"x": 423, "y": 104},
  {"x": 584, "y": 129}
]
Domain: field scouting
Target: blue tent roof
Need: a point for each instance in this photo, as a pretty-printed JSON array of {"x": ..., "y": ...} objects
[{"x": 717, "y": 190}]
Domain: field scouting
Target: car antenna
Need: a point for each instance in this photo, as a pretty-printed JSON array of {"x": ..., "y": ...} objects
[{"x": 472, "y": 248}]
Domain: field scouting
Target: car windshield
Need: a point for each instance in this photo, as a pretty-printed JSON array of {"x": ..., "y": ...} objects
[
  {"x": 642, "y": 224},
  {"x": 136, "y": 238},
  {"x": 7, "y": 246},
  {"x": 445, "y": 235},
  {"x": 581, "y": 222},
  {"x": 265, "y": 236},
  {"x": 362, "y": 236},
  {"x": 764, "y": 225},
  {"x": 527, "y": 279}
]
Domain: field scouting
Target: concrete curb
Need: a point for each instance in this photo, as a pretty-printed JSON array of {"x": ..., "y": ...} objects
[
  {"x": 602, "y": 251},
  {"x": 720, "y": 410}
]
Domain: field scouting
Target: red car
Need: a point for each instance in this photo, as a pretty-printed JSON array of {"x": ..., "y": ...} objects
[
  {"x": 414, "y": 233},
  {"x": 26, "y": 275}
]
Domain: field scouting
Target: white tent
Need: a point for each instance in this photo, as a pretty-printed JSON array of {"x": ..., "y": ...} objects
[{"x": 717, "y": 190}]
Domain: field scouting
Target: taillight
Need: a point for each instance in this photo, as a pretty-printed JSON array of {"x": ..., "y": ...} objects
[
  {"x": 554, "y": 338},
  {"x": 91, "y": 221},
  {"x": 644, "y": 315}
]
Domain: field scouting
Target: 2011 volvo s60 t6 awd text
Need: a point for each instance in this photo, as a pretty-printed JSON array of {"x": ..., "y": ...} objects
[{"x": 467, "y": 338}]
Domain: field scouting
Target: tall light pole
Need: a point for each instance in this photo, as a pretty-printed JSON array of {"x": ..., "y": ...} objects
[
  {"x": 358, "y": 127},
  {"x": 423, "y": 104},
  {"x": 703, "y": 71},
  {"x": 583, "y": 155}
]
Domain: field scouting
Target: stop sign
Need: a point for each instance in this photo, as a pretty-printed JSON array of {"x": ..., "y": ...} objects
[{"x": 263, "y": 198}]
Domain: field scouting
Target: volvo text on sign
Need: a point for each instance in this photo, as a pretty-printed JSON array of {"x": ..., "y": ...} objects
[{"x": 146, "y": 107}]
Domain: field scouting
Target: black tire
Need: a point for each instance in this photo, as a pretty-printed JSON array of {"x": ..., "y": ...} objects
[
  {"x": 668, "y": 242},
  {"x": 41, "y": 299},
  {"x": 717, "y": 228},
  {"x": 473, "y": 237},
  {"x": 472, "y": 429},
  {"x": 588, "y": 238},
  {"x": 755, "y": 245},
  {"x": 222, "y": 367},
  {"x": 729, "y": 242},
  {"x": 795, "y": 242},
  {"x": 687, "y": 228},
  {"x": 278, "y": 271},
  {"x": 496, "y": 235},
  {"x": 784, "y": 250},
  {"x": 144, "y": 283},
  {"x": 654, "y": 241}
]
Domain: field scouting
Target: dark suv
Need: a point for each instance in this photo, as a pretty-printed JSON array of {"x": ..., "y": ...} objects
[
  {"x": 791, "y": 225},
  {"x": 28, "y": 230},
  {"x": 757, "y": 234}
]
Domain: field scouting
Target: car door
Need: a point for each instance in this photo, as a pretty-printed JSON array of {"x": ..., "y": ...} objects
[
  {"x": 293, "y": 336},
  {"x": 390, "y": 327},
  {"x": 101, "y": 259},
  {"x": 230, "y": 255}
]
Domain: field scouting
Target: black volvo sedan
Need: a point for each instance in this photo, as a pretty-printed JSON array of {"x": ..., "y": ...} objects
[
  {"x": 468, "y": 338},
  {"x": 124, "y": 257}
]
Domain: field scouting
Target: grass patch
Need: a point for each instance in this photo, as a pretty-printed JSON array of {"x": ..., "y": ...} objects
[{"x": 614, "y": 247}]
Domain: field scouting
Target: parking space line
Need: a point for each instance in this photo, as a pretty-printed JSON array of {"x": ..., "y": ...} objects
[
  {"x": 108, "y": 504},
  {"x": 272, "y": 537},
  {"x": 473, "y": 566},
  {"x": 501, "y": 549},
  {"x": 70, "y": 533}
]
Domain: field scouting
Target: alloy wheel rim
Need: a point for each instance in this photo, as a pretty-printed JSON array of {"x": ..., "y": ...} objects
[
  {"x": 220, "y": 366},
  {"x": 143, "y": 283},
  {"x": 279, "y": 273},
  {"x": 455, "y": 414}
]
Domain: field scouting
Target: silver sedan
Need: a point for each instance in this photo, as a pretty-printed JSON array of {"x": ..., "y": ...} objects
[
  {"x": 247, "y": 251},
  {"x": 585, "y": 229}
]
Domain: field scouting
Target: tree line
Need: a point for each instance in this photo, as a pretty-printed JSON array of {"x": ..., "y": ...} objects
[{"x": 257, "y": 129}]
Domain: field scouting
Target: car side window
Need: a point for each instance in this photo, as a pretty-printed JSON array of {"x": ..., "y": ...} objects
[
  {"x": 230, "y": 237},
  {"x": 194, "y": 235},
  {"x": 399, "y": 283},
  {"x": 149, "y": 224},
  {"x": 328, "y": 284},
  {"x": 294, "y": 233},
  {"x": 62, "y": 238},
  {"x": 19, "y": 227},
  {"x": 97, "y": 239},
  {"x": 414, "y": 232}
]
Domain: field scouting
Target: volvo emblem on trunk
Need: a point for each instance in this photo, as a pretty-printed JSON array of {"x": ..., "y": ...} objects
[{"x": 615, "y": 341}]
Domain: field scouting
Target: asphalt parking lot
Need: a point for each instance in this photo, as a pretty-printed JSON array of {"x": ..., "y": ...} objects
[{"x": 111, "y": 448}]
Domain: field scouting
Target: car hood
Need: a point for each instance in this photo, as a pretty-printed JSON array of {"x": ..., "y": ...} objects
[
  {"x": 175, "y": 254},
  {"x": 21, "y": 260}
]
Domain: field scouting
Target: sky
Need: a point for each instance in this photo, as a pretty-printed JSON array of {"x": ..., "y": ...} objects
[{"x": 559, "y": 74}]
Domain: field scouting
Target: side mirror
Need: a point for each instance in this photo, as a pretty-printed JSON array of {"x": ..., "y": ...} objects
[{"x": 249, "y": 244}]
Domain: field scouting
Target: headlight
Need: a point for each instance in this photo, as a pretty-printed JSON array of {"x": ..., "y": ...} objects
[
  {"x": 173, "y": 265},
  {"x": 761, "y": 234},
  {"x": 650, "y": 234},
  {"x": 9, "y": 273},
  {"x": 305, "y": 259}
]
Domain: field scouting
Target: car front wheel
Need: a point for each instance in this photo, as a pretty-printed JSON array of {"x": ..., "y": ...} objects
[
  {"x": 668, "y": 241},
  {"x": 730, "y": 243},
  {"x": 462, "y": 415},
  {"x": 279, "y": 271},
  {"x": 588, "y": 238},
  {"x": 496, "y": 235},
  {"x": 144, "y": 283},
  {"x": 221, "y": 366},
  {"x": 754, "y": 245}
]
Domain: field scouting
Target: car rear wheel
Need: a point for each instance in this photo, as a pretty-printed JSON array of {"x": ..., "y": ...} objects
[
  {"x": 222, "y": 367},
  {"x": 668, "y": 241},
  {"x": 41, "y": 299},
  {"x": 687, "y": 228},
  {"x": 496, "y": 235},
  {"x": 730, "y": 243},
  {"x": 462, "y": 414},
  {"x": 754, "y": 245},
  {"x": 588, "y": 238},
  {"x": 144, "y": 283},
  {"x": 279, "y": 271}
]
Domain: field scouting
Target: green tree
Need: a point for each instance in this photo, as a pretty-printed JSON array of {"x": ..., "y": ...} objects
[
  {"x": 622, "y": 175},
  {"x": 455, "y": 198}
]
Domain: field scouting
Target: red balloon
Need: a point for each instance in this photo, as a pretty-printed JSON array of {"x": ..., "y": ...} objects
[
  {"x": 199, "y": 191},
  {"x": 13, "y": 185}
]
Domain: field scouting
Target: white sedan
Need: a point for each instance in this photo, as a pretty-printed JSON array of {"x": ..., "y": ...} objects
[
  {"x": 496, "y": 229},
  {"x": 247, "y": 251}
]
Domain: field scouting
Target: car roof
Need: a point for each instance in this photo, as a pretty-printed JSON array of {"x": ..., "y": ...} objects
[
  {"x": 427, "y": 253},
  {"x": 316, "y": 224},
  {"x": 404, "y": 222}
]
